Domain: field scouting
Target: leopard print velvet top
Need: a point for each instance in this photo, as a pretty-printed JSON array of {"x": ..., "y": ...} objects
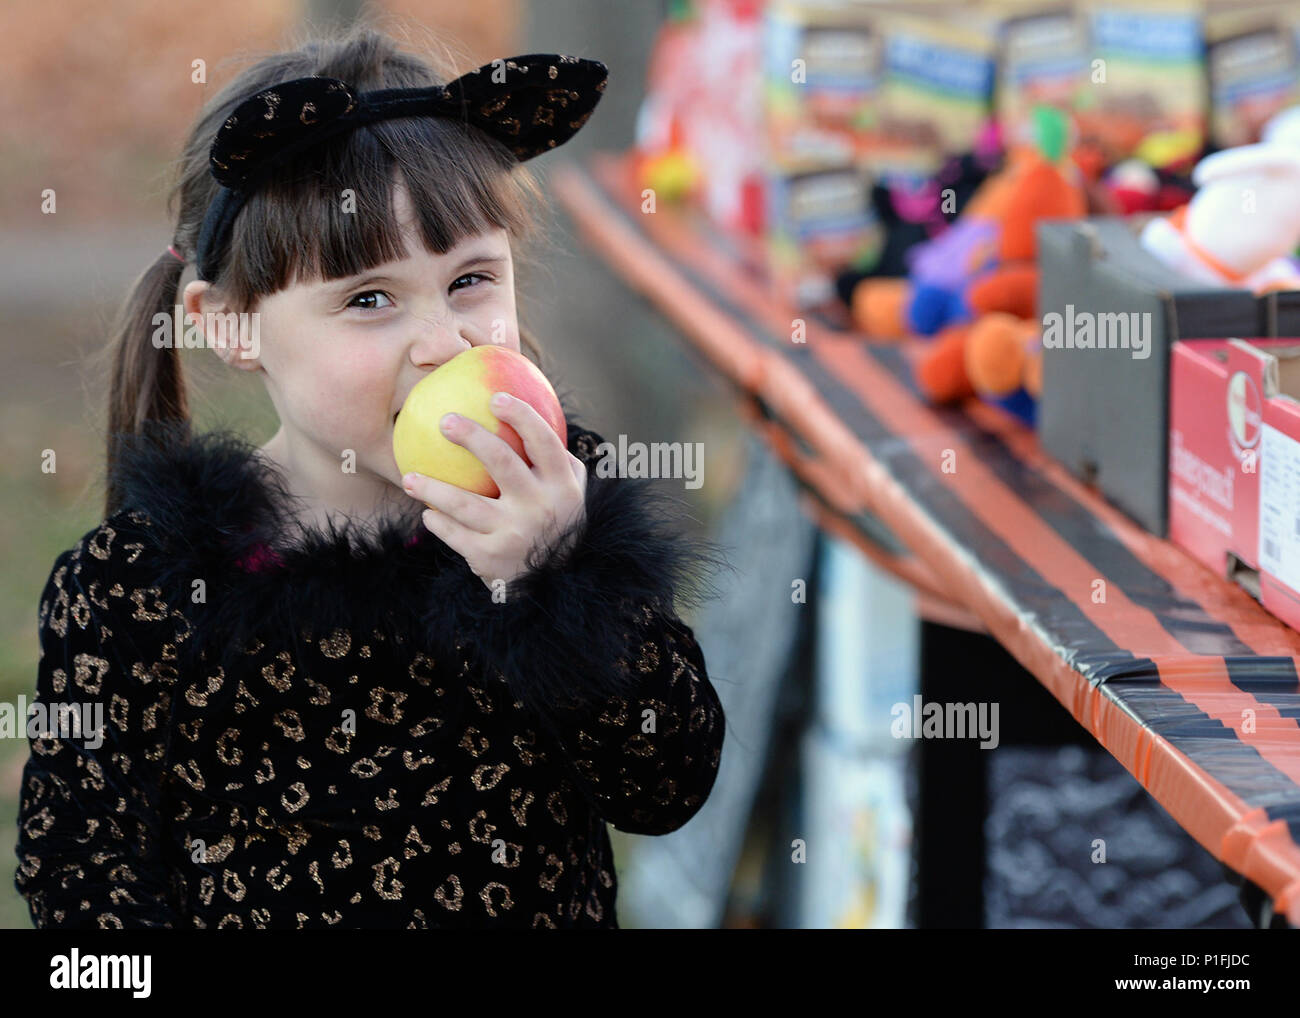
[{"x": 350, "y": 731}]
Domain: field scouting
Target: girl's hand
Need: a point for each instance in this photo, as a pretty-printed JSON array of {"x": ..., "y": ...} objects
[{"x": 495, "y": 535}]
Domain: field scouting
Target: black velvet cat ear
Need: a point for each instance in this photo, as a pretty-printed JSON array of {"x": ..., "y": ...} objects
[
  {"x": 276, "y": 121},
  {"x": 529, "y": 103}
]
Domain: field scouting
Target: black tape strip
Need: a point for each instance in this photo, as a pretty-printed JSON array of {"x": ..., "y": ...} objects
[{"x": 1131, "y": 682}]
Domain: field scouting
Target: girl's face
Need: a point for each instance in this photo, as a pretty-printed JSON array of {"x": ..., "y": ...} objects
[{"x": 341, "y": 356}]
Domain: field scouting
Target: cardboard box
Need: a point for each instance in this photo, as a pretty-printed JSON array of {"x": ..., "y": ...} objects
[
  {"x": 937, "y": 85},
  {"x": 1147, "y": 74},
  {"x": 1043, "y": 58},
  {"x": 1281, "y": 313},
  {"x": 1234, "y": 463},
  {"x": 818, "y": 222},
  {"x": 1250, "y": 57},
  {"x": 820, "y": 77},
  {"x": 821, "y": 69},
  {"x": 1104, "y": 412},
  {"x": 1279, "y": 492},
  {"x": 1216, "y": 393}
]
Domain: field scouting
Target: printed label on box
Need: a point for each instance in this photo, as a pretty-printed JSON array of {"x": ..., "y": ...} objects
[{"x": 1279, "y": 506}]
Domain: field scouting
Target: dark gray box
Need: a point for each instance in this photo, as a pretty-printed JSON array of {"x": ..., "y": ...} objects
[
  {"x": 1282, "y": 313},
  {"x": 1104, "y": 413}
]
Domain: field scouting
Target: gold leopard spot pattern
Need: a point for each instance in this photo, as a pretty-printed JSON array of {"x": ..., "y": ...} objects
[{"x": 334, "y": 778}]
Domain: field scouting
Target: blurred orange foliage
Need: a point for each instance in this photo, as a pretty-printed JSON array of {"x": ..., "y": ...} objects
[{"x": 95, "y": 99}]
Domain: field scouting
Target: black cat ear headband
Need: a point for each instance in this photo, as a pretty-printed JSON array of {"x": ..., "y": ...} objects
[{"x": 529, "y": 103}]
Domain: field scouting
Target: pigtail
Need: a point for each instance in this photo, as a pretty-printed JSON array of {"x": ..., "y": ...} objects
[{"x": 147, "y": 380}]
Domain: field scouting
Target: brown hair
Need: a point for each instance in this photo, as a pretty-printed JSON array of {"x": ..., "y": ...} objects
[{"x": 292, "y": 227}]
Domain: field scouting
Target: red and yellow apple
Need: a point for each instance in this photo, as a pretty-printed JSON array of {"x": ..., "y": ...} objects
[{"x": 464, "y": 385}]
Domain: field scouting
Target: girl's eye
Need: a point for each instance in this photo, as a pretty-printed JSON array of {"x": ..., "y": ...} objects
[
  {"x": 470, "y": 275},
  {"x": 369, "y": 293}
]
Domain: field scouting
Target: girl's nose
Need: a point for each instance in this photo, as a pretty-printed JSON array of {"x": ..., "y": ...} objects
[{"x": 437, "y": 345}]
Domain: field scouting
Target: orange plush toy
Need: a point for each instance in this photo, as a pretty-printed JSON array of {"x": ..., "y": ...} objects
[
  {"x": 997, "y": 357},
  {"x": 976, "y": 285},
  {"x": 1004, "y": 354},
  {"x": 985, "y": 261}
]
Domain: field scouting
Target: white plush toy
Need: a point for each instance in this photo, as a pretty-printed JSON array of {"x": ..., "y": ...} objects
[
  {"x": 1244, "y": 219},
  {"x": 1283, "y": 128}
]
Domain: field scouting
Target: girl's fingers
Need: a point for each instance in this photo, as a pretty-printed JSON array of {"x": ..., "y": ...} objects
[
  {"x": 455, "y": 536},
  {"x": 579, "y": 469},
  {"x": 504, "y": 465},
  {"x": 468, "y": 509},
  {"x": 541, "y": 443}
]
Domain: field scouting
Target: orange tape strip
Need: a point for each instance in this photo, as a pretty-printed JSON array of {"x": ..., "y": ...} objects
[
  {"x": 930, "y": 604},
  {"x": 1219, "y": 599}
]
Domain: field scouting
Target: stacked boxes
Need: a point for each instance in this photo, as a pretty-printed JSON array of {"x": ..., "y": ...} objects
[
  {"x": 1111, "y": 314},
  {"x": 1250, "y": 58},
  {"x": 821, "y": 72},
  {"x": 1234, "y": 470}
]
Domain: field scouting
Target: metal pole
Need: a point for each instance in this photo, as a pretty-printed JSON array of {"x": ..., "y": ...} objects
[{"x": 330, "y": 15}]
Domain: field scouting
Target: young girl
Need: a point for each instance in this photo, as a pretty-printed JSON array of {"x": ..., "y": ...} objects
[{"x": 323, "y": 704}]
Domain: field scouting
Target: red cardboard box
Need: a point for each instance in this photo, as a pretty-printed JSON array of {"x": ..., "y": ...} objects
[
  {"x": 1279, "y": 492},
  {"x": 1234, "y": 463}
]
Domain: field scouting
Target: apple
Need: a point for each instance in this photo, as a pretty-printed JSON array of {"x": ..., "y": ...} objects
[{"x": 464, "y": 385}]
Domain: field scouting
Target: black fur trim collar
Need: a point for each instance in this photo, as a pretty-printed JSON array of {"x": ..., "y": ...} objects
[{"x": 212, "y": 503}]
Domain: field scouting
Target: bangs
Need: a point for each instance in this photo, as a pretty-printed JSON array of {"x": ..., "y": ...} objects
[{"x": 329, "y": 212}]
